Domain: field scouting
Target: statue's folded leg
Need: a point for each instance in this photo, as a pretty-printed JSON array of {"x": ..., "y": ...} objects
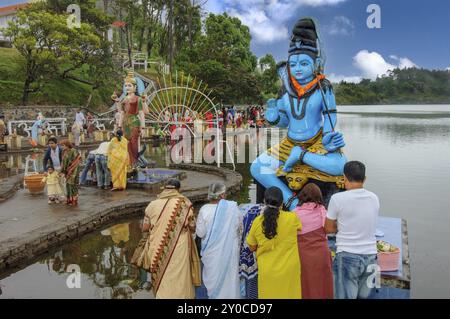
[
  {"x": 330, "y": 163},
  {"x": 263, "y": 169}
]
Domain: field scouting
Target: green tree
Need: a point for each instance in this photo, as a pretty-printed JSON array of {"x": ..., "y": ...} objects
[
  {"x": 222, "y": 58},
  {"x": 268, "y": 76},
  {"x": 51, "y": 48}
]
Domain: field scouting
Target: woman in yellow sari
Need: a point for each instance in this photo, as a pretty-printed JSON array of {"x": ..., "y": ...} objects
[
  {"x": 273, "y": 236},
  {"x": 118, "y": 160}
]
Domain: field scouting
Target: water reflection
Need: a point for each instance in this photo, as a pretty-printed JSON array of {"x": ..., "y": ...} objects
[{"x": 103, "y": 258}]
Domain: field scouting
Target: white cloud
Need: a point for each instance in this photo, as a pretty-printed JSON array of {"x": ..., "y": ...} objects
[
  {"x": 448, "y": 69},
  {"x": 267, "y": 19},
  {"x": 406, "y": 63},
  {"x": 372, "y": 65},
  {"x": 341, "y": 26},
  {"x": 317, "y": 3},
  {"x": 261, "y": 27},
  {"x": 335, "y": 78}
]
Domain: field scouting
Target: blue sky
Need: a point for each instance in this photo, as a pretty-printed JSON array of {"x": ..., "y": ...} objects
[{"x": 413, "y": 32}]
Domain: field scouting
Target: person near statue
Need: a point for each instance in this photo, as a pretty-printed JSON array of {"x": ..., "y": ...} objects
[
  {"x": 133, "y": 109},
  {"x": 118, "y": 160},
  {"x": 352, "y": 215},
  {"x": 77, "y": 130},
  {"x": 307, "y": 108},
  {"x": 315, "y": 255},
  {"x": 54, "y": 191},
  {"x": 71, "y": 161},
  {"x": 170, "y": 250},
  {"x": 53, "y": 157},
  {"x": 80, "y": 119},
  {"x": 3, "y": 129},
  {"x": 97, "y": 159},
  {"x": 273, "y": 236},
  {"x": 219, "y": 225},
  {"x": 102, "y": 171}
]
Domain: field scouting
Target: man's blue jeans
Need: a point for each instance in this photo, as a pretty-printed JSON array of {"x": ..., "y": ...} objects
[
  {"x": 87, "y": 165},
  {"x": 353, "y": 278},
  {"x": 102, "y": 171}
]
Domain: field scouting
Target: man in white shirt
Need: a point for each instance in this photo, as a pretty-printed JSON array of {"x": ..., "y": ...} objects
[
  {"x": 101, "y": 166},
  {"x": 352, "y": 215},
  {"x": 79, "y": 118},
  {"x": 99, "y": 157}
]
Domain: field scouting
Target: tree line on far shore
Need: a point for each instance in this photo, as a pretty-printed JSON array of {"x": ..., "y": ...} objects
[{"x": 400, "y": 86}]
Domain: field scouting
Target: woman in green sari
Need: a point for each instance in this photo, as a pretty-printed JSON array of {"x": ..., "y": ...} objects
[{"x": 70, "y": 170}]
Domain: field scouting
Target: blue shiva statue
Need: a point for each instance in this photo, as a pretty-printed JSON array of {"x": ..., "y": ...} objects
[{"x": 307, "y": 108}]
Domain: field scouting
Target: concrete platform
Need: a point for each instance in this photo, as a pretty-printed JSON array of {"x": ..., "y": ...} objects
[{"x": 30, "y": 227}]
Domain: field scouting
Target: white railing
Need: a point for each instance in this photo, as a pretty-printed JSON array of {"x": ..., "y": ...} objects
[
  {"x": 102, "y": 123},
  {"x": 56, "y": 126}
]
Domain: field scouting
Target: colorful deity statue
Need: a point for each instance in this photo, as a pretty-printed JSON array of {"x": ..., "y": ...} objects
[
  {"x": 312, "y": 150},
  {"x": 132, "y": 108},
  {"x": 37, "y": 129}
]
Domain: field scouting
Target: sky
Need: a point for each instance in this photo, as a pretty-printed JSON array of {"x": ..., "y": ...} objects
[{"x": 412, "y": 33}]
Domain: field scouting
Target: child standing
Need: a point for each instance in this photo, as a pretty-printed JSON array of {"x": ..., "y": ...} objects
[{"x": 54, "y": 191}]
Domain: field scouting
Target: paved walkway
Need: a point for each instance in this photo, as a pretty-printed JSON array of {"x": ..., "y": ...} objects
[{"x": 30, "y": 226}]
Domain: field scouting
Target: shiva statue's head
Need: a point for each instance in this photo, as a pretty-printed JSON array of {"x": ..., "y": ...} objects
[
  {"x": 303, "y": 51},
  {"x": 301, "y": 67}
]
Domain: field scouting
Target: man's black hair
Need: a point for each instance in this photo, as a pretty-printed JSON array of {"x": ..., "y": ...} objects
[
  {"x": 53, "y": 139},
  {"x": 355, "y": 171}
]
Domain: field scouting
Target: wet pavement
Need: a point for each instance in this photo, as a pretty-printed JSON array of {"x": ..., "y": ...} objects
[{"x": 29, "y": 226}]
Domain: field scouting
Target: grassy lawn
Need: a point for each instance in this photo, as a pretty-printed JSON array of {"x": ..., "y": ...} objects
[{"x": 55, "y": 92}]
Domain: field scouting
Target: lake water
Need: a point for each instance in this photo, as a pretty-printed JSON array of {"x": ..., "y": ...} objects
[{"x": 407, "y": 153}]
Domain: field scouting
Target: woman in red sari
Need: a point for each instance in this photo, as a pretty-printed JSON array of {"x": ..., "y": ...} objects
[
  {"x": 315, "y": 256},
  {"x": 71, "y": 161}
]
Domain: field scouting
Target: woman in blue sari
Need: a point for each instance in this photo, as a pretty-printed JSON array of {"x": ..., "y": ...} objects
[{"x": 248, "y": 268}]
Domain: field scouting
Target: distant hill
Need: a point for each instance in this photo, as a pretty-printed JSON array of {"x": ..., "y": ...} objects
[{"x": 407, "y": 86}]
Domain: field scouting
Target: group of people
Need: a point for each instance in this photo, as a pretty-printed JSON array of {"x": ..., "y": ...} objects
[
  {"x": 263, "y": 252},
  {"x": 252, "y": 116},
  {"x": 62, "y": 163}
]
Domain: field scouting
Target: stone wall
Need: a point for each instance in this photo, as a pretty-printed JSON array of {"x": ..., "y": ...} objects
[{"x": 18, "y": 113}]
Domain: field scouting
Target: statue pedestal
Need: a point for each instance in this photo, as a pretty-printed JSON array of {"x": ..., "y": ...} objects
[
  {"x": 101, "y": 136},
  {"x": 13, "y": 142},
  {"x": 146, "y": 132},
  {"x": 42, "y": 140},
  {"x": 72, "y": 140}
]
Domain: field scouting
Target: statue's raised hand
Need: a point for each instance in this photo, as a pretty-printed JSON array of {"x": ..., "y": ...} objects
[{"x": 333, "y": 141}]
